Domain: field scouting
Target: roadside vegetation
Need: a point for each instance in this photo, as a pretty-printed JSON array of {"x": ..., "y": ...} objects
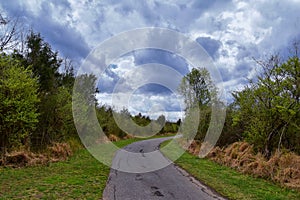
[
  {"x": 260, "y": 135},
  {"x": 261, "y": 131},
  {"x": 81, "y": 176},
  {"x": 229, "y": 182},
  {"x": 265, "y": 113},
  {"x": 36, "y": 90}
]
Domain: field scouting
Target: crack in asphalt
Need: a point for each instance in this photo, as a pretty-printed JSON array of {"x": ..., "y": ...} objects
[
  {"x": 167, "y": 183},
  {"x": 114, "y": 192},
  {"x": 142, "y": 152},
  {"x": 158, "y": 193},
  {"x": 172, "y": 195},
  {"x": 138, "y": 177}
]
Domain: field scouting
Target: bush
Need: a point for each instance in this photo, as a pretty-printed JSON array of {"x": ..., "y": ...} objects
[{"x": 18, "y": 100}]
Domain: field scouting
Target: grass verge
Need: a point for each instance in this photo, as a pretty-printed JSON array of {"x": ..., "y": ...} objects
[
  {"x": 80, "y": 177},
  {"x": 230, "y": 183}
]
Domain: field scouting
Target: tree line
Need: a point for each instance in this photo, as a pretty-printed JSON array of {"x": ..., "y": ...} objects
[
  {"x": 265, "y": 113},
  {"x": 36, "y": 89},
  {"x": 35, "y": 98}
]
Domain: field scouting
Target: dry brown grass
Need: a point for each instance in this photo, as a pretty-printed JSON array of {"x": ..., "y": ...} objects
[
  {"x": 22, "y": 158},
  {"x": 286, "y": 169},
  {"x": 194, "y": 148},
  {"x": 283, "y": 168},
  {"x": 128, "y": 137},
  {"x": 113, "y": 138},
  {"x": 59, "y": 151},
  {"x": 108, "y": 139}
]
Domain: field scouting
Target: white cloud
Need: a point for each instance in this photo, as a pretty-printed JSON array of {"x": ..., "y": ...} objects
[
  {"x": 129, "y": 92},
  {"x": 244, "y": 29},
  {"x": 150, "y": 105}
]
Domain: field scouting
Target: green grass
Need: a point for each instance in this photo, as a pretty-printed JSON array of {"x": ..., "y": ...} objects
[
  {"x": 80, "y": 177},
  {"x": 229, "y": 182}
]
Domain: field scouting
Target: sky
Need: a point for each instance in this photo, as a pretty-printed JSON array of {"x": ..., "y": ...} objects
[{"x": 232, "y": 32}]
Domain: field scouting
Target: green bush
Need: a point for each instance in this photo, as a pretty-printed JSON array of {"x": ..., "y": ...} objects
[{"x": 18, "y": 100}]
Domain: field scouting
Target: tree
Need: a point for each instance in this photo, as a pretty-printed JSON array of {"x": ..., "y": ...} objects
[
  {"x": 57, "y": 123},
  {"x": 85, "y": 87},
  {"x": 84, "y": 102},
  {"x": 18, "y": 101},
  {"x": 67, "y": 76},
  {"x": 40, "y": 63},
  {"x": 270, "y": 107},
  {"x": 54, "y": 90},
  {"x": 44, "y": 62},
  {"x": 197, "y": 87},
  {"x": 198, "y": 90},
  {"x": 11, "y": 34},
  {"x": 161, "y": 120},
  {"x": 178, "y": 122},
  {"x": 232, "y": 131}
]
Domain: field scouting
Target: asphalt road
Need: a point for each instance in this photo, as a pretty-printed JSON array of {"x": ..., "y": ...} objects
[{"x": 170, "y": 182}]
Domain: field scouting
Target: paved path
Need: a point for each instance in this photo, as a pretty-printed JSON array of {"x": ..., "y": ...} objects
[{"x": 170, "y": 182}]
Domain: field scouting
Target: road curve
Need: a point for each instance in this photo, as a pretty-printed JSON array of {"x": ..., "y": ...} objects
[{"x": 170, "y": 182}]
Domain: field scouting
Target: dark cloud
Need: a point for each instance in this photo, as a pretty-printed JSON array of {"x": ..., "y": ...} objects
[
  {"x": 210, "y": 45},
  {"x": 140, "y": 57},
  {"x": 67, "y": 40},
  {"x": 231, "y": 32},
  {"x": 60, "y": 36},
  {"x": 162, "y": 57},
  {"x": 70, "y": 43},
  {"x": 153, "y": 89},
  {"x": 15, "y": 9},
  {"x": 241, "y": 71},
  {"x": 108, "y": 80},
  {"x": 203, "y": 5}
]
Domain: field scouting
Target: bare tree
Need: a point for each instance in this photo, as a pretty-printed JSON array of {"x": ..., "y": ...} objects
[{"x": 11, "y": 34}]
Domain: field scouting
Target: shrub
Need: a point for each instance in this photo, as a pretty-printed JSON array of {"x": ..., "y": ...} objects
[{"x": 18, "y": 99}]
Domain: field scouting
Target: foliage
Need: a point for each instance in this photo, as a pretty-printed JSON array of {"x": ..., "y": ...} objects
[
  {"x": 232, "y": 131},
  {"x": 106, "y": 120},
  {"x": 84, "y": 102},
  {"x": 50, "y": 98},
  {"x": 56, "y": 109},
  {"x": 269, "y": 108},
  {"x": 137, "y": 125},
  {"x": 18, "y": 100},
  {"x": 44, "y": 61},
  {"x": 198, "y": 89},
  {"x": 55, "y": 121}
]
